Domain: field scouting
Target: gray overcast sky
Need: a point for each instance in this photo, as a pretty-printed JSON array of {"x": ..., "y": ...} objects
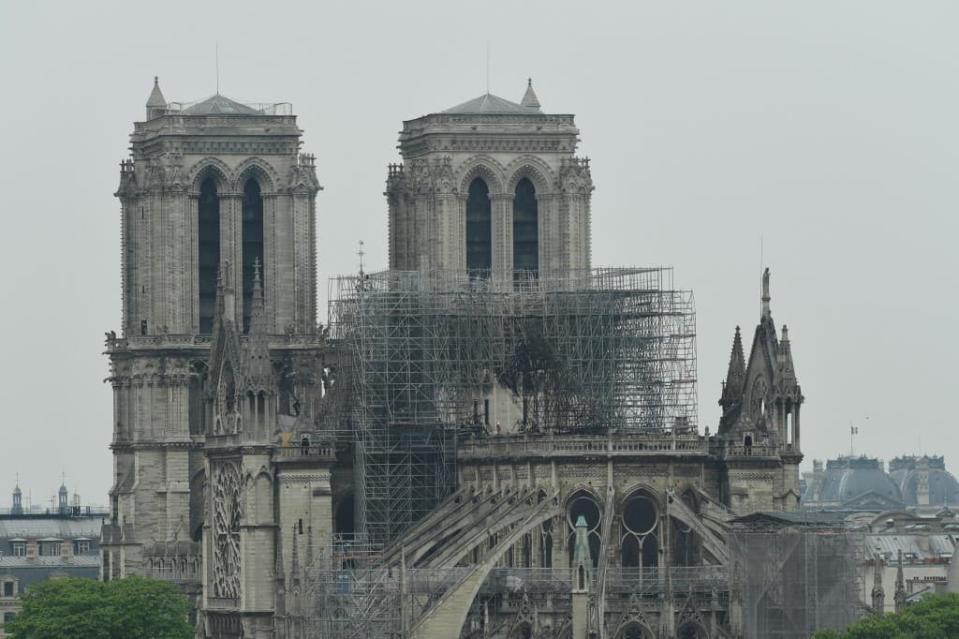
[{"x": 827, "y": 128}]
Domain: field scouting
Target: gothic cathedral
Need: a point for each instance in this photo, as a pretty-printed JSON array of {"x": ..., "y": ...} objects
[{"x": 573, "y": 495}]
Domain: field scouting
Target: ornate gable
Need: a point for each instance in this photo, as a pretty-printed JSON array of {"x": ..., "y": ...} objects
[
  {"x": 226, "y": 362},
  {"x": 751, "y": 397}
]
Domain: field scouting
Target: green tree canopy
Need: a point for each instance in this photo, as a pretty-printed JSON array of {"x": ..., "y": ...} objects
[
  {"x": 935, "y": 617},
  {"x": 131, "y": 608}
]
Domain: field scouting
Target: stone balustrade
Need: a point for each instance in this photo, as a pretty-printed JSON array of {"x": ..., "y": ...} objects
[
  {"x": 614, "y": 445},
  {"x": 326, "y": 451},
  {"x": 766, "y": 450}
]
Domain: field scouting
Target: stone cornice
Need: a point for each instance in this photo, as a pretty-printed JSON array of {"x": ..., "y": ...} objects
[{"x": 136, "y": 446}]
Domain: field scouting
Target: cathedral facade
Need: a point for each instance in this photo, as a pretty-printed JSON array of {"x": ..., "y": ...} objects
[
  {"x": 217, "y": 374},
  {"x": 255, "y": 453}
]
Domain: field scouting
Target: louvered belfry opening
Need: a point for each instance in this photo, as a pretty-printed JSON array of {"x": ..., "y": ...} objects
[
  {"x": 479, "y": 236},
  {"x": 525, "y": 229},
  {"x": 208, "y": 252}
]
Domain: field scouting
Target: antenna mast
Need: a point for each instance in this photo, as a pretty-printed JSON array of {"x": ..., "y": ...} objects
[{"x": 487, "y": 67}]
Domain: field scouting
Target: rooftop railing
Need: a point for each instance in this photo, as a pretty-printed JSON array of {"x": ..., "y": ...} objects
[
  {"x": 312, "y": 451},
  {"x": 627, "y": 444},
  {"x": 115, "y": 343},
  {"x": 766, "y": 450},
  {"x": 264, "y": 108}
]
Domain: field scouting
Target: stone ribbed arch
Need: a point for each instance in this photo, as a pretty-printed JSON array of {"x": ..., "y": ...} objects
[
  {"x": 648, "y": 491},
  {"x": 533, "y": 168},
  {"x": 581, "y": 489},
  {"x": 261, "y": 170},
  {"x": 211, "y": 167},
  {"x": 482, "y": 166},
  {"x": 633, "y": 624}
]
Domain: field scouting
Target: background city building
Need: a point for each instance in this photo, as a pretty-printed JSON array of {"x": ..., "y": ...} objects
[{"x": 46, "y": 542}]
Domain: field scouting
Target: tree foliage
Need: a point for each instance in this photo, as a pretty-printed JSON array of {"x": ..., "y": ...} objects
[
  {"x": 131, "y": 608},
  {"x": 935, "y": 617}
]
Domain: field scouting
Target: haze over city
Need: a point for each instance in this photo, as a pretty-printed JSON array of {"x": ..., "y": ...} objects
[{"x": 817, "y": 139}]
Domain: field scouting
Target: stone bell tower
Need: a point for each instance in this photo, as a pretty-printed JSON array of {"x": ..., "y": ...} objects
[
  {"x": 209, "y": 185},
  {"x": 493, "y": 188}
]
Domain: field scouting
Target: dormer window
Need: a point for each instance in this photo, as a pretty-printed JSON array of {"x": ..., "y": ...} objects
[{"x": 19, "y": 549}]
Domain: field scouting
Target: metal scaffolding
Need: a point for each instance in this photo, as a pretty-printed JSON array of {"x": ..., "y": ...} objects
[
  {"x": 592, "y": 351},
  {"x": 793, "y": 582}
]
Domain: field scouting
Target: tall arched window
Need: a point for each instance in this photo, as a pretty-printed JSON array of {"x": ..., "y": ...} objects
[
  {"x": 479, "y": 235},
  {"x": 525, "y": 230},
  {"x": 252, "y": 243},
  {"x": 585, "y": 505},
  {"x": 208, "y": 252},
  {"x": 639, "y": 542}
]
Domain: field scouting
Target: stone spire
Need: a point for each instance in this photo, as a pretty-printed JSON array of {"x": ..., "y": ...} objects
[
  {"x": 17, "y": 506},
  {"x": 582, "y": 568},
  {"x": 63, "y": 499},
  {"x": 786, "y": 356},
  {"x": 878, "y": 594},
  {"x": 257, "y": 314},
  {"x": 529, "y": 98},
  {"x": 900, "y": 596},
  {"x": 156, "y": 103},
  {"x": 581, "y": 557},
  {"x": 257, "y": 364},
  {"x": 765, "y": 299},
  {"x": 226, "y": 302},
  {"x": 735, "y": 375}
]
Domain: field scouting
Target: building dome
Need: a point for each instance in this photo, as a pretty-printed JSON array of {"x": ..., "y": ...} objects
[
  {"x": 854, "y": 482},
  {"x": 943, "y": 488}
]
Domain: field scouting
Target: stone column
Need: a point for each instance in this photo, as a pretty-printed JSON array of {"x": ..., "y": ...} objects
[
  {"x": 269, "y": 258},
  {"x": 303, "y": 285},
  {"x": 282, "y": 255},
  {"x": 502, "y": 236},
  {"x": 545, "y": 205},
  {"x": 796, "y": 427},
  {"x": 193, "y": 273},
  {"x": 449, "y": 217},
  {"x": 458, "y": 248}
]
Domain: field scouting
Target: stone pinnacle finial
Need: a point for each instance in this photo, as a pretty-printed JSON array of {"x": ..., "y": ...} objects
[
  {"x": 257, "y": 282},
  {"x": 529, "y": 98},
  {"x": 900, "y": 594},
  {"x": 156, "y": 103},
  {"x": 766, "y": 312},
  {"x": 224, "y": 291},
  {"x": 735, "y": 374},
  {"x": 258, "y": 324}
]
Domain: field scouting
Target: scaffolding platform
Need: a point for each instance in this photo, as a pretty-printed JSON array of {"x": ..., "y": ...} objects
[{"x": 598, "y": 351}]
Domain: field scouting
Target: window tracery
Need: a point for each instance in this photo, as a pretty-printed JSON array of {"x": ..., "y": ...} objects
[{"x": 226, "y": 530}]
